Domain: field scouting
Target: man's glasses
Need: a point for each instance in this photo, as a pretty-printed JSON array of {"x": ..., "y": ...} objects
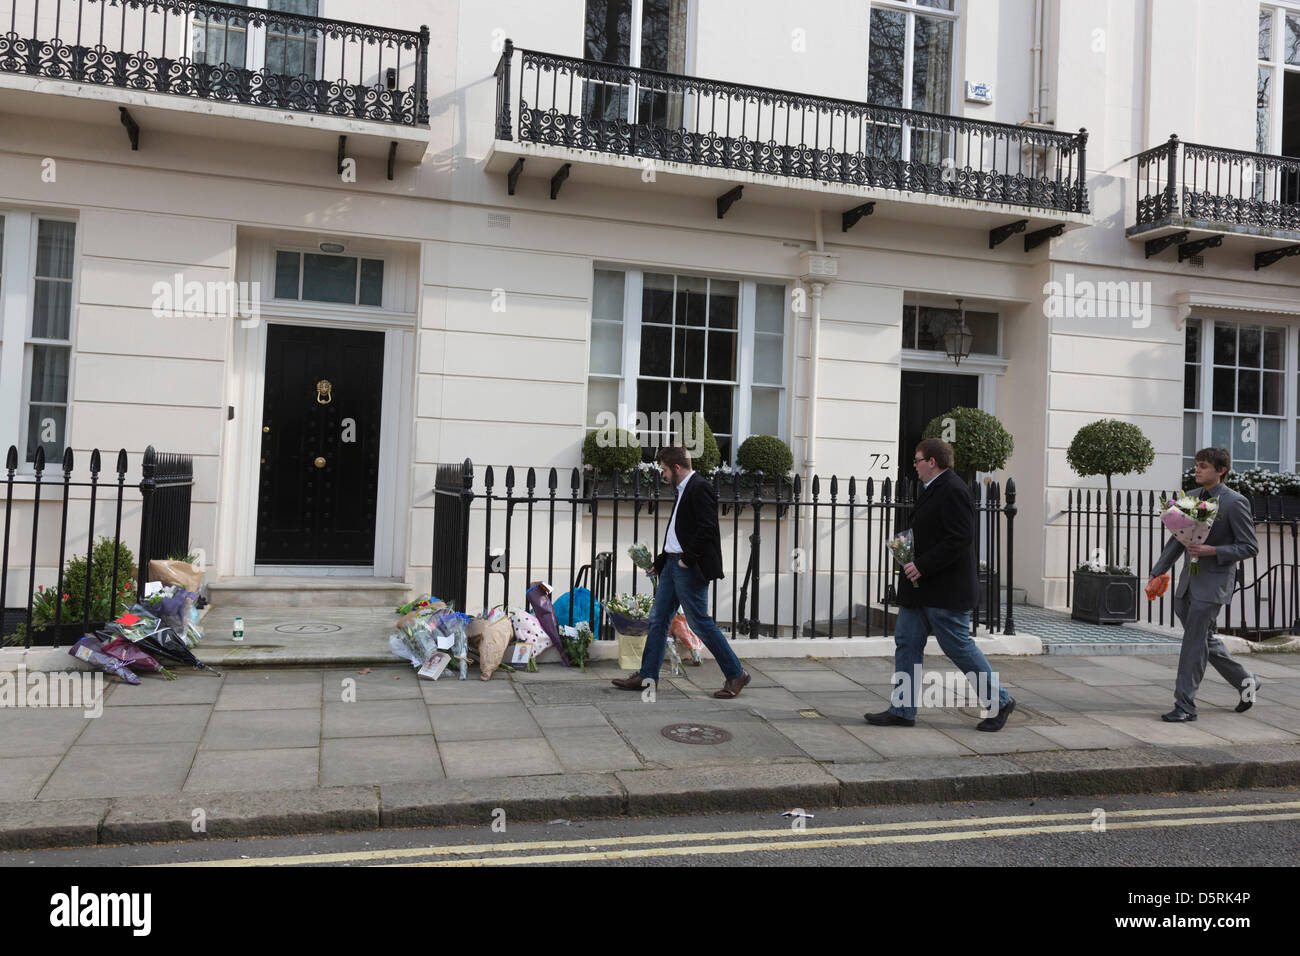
[{"x": 917, "y": 461}]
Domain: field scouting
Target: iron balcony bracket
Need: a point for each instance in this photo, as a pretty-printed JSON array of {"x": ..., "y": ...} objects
[
  {"x": 1270, "y": 256},
  {"x": 343, "y": 145},
  {"x": 850, "y": 218},
  {"x": 512, "y": 177},
  {"x": 1002, "y": 233},
  {"x": 392, "y": 158},
  {"x": 1036, "y": 239},
  {"x": 1188, "y": 249},
  {"x": 726, "y": 200},
  {"x": 132, "y": 127},
  {"x": 1159, "y": 245},
  {"x": 558, "y": 179}
]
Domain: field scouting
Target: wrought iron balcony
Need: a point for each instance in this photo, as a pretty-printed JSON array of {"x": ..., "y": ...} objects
[
  {"x": 222, "y": 52},
  {"x": 588, "y": 105},
  {"x": 1185, "y": 187}
]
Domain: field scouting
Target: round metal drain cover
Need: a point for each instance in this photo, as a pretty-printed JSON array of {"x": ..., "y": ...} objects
[
  {"x": 308, "y": 628},
  {"x": 696, "y": 734}
]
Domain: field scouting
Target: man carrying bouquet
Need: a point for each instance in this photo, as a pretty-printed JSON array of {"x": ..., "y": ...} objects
[
  {"x": 1199, "y": 596},
  {"x": 943, "y": 570},
  {"x": 691, "y": 558}
]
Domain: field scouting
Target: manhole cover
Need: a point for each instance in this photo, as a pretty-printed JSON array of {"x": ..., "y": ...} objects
[
  {"x": 308, "y": 628},
  {"x": 696, "y": 734}
]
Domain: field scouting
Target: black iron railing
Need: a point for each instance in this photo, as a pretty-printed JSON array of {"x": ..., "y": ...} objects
[
  {"x": 800, "y": 560},
  {"x": 1266, "y": 599},
  {"x": 589, "y": 105},
  {"x": 218, "y": 51},
  {"x": 1181, "y": 182},
  {"x": 164, "y": 499}
]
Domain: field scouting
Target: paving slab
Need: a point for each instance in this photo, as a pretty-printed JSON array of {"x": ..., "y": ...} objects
[
  {"x": 931, "y": 780},
  {"x": 1150, "y": 729},
  {"x": 705, "y": 789},
  {"x": 825, "y": 741},
  {"x": 1243, "y": 728},
  {"x": 21, "y": 778},
  {"x": 483, "y": 722},
  {"x": 111, "y": 770},
  {"x": 552, "y": 716},
  {"x": 297, "y": 695},
  {"x": 275, "y": 675},
  {"x": 38, "y": 824},
  {"x": 597, "y": 749},
  {"x": 1278, "y": 715},
  {"x": 40, "y": 731},
  {"x": 462, "y": 802},
  {"x": 374, "y": 760},
  {"x": 450, "y": 690},
  {"x": 289, "y": 768},
  {"x": 1010, "y": 739},
  {"x": 247, "y": 730},
  {"x": 382, "y": 683},
  {"x": 751, "y": 736},
  {"x": 188, "y": 688},
  {"x": 1084, "y": 733},
  {"x": 498, "y": 758},
  {"x": 899, "y": 742},
  {"x": 824, "y": 681},
  {"x": 1071, "y": 696},
  {"x": 588, "y": 692},
  {"x": 844, "y": 708},
  {"x": 162, "y": 723},
  {"x": 231, "y": 815},
  {"x": 377, "y": 718}
]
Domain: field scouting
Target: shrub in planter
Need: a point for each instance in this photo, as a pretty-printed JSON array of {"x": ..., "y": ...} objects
[
  {"x": 765, "y": 453},
  {"x": 709, "y": 458},
  {"x": 979, "y": 442},
  {"x": 108, "y": 599},
  {"x": 608, "y": 450}
]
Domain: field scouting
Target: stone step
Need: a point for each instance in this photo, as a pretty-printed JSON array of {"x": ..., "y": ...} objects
[{"x": 308, "y": 591}]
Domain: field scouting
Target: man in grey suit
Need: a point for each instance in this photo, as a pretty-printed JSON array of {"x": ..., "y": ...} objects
[{"x": 1199, "y": 596}]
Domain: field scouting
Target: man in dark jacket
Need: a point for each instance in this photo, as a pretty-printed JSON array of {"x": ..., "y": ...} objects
[
  {"x": 939, "y": 594},
  {"x": 690, "y": 559}
]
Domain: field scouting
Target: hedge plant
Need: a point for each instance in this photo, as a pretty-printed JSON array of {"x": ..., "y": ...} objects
[
  {"x": 765, "y": 453},
  {"x": 979, "y": 442},
  {"x": 608, "y": 450}
]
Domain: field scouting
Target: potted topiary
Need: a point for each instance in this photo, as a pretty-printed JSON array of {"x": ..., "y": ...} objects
[
  {"x": 1106, "y": 592},
  {"x": 759, "y": 454},
  {"x": 979, "y": 443}
]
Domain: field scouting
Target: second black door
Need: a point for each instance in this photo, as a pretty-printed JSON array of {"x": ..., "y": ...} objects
[{"x": 925, "y": 396}]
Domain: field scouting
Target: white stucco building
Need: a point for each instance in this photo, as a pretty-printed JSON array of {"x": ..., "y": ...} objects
[{"x": 480, "y": 277}]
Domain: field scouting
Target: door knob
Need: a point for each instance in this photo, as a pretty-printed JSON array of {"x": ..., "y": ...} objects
[{"x": 320, "y": 462}]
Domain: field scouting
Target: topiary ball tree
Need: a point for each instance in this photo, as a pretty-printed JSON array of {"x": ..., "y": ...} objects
[
  {"x": 709, "y": 456},
  {"x": 608, "y": 450},
  {"x": 765, "y": 453},
  {"x": 1110, "y": 447},
  {"x": 979, "y": 442}
]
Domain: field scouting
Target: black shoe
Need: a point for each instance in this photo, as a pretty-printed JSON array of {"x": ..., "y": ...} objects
[
  {"x": 1177, "y": 716},
  {"x": 887, "y": 719},
  {"x": 1244, "y": 704},
  {"x": 995, "y": 723}
]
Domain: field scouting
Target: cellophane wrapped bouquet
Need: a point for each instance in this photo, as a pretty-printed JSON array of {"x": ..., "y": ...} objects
[
  {"x": 1189, "y": 520},
  {"x": 900, "y": 546}
]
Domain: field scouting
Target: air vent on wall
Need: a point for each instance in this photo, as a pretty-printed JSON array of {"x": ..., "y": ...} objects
[
  {"x": 1196, "y": 262},
  {"x": 498, "y": 220}
]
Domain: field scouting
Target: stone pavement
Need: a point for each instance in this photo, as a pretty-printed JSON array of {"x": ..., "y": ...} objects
[{"x": 280, "y": 750}]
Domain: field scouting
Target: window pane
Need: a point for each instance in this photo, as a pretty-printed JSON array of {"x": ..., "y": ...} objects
[
  {"x": 1248, "y": 391},
  {"x": 1266, "y": 34},
  {"x": 1221, "y": 431},
  {"x": 45, "y": 426},
  {"x": 663, "y": 35},
  {"x": 51, "y": 309},
  {"x": 936, "y": 4},
  {"x": 651, "y": 398},
  {"x": 292, "y": 51},
  {"x": 372, "y": 282},
  {"x": 607, "y": 348},
  {"x": 1248, "y": 348},
  {"x": 684, "y": 397},
  {"x": 609, "y": 30},
  {"x": 931, "y": 326},
  {"x": 931, "y": 57},
  {"x": 688, "y": 354},
  {"x": 221, "y": 40},
  {"x": 286, "y": 274},
  {"x": 1225, "y": 344},
  {"x": 1191, "y": 386},
  {"x": 886, "y": 56},
  {"x": 1191, "y": 435},
  {"x": 1272, "y": 403},
  {"x": 768, "y": 359},
  {"x": 717, "y": 408},
  {"x": 607, "y": 296},
  {"x": 1291, "y": 41},
  {"x": 984, "y": 326},
  {"x": 602, "y": 396},
  {"x": 656, "y": 347},
  {"x": 657, "y": 298},
  {"x": 1273, "y": 340},
  {"x": 769, "y": 308},
  {"x": 724, "y": 300},
  {"x": 692, "y": 301},
  {"x": 1225, "y": 390},
  {"x": 54, "y": 247},
  {"x": 49, "y": 374},
  {"x": 1193, "y": 342},
  {"x": 765, "y": 411},
  {"x": 909, "y": 326},
  {"x": 1262, "y": 90},
  {"x": 329, "y": 278},
  {"x": 722, "y": 356}
]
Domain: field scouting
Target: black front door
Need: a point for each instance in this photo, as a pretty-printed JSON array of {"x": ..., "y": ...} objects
[
  {"x": 320, "y": 446},
  {"x": 925, "y": 396}
]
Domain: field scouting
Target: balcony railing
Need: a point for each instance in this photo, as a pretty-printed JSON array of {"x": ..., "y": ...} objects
[
  {"x": 217, "y": 51},
  {"x": 588, "y": 105},
  {"x": 1181, "y": 182}
]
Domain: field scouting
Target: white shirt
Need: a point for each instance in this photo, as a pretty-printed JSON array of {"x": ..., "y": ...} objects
[{"x": 671, "y": 544}]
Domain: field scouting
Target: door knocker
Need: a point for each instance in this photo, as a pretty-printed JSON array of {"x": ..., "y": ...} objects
[{"x": 323, "y": 396}]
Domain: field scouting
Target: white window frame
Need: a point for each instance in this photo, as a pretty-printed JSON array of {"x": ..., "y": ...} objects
[
  {"x": 633, "y": 287},
  {"x": 1277, "y": 67},
  {"x": 255, "y": 43},
  {"x": 302, "y": 250},
  {"x": 17, "y": 302},
  {"x": 634, "y": 53}
]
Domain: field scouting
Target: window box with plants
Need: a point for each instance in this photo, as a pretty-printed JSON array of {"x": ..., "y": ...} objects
[
  {"x": 1105, "y": 591},
  {"x": 764, "y": 455},
  {"x": 610, "y": 452}
]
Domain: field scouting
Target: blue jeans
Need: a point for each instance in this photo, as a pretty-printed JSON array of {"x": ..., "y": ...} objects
[
  {"x": 952, "y": 628},
  {"x": 685, "y": 586}
]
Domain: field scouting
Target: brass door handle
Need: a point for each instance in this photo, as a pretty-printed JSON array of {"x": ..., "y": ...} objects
[{"x": 320, "y": 462}]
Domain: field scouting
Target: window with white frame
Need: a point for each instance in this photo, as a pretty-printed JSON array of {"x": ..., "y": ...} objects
[
  {"x": 664, "y": 345},
  {"x": 909, "y": 65},
  {"x": 36, "y": 276},
  {"x": 282, "y": 50},
  {"x": 924, "y": 327},
  {"x": 317, "y": 277},
  {"x": 647, "y": 34},
  {"x": 1234, "y": 392}
]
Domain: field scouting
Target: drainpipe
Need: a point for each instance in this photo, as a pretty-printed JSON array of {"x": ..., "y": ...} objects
[{"x": 1036, "y": 64}]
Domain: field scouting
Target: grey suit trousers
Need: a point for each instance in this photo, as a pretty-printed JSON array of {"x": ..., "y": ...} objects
[{"x": 1201, "y": 644}]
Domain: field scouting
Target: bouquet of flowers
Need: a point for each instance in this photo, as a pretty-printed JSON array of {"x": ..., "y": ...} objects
[
  {"x": 630, "y": 613},
  {"x": 644, "y": 560},
  {"x": 1189, "y": 520},
  {"x": 900, "y": 546},
  {"x": 577, "y": 647}
]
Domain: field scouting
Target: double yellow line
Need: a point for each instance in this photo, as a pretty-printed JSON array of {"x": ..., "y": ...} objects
[{"x": 768, "y": 840}]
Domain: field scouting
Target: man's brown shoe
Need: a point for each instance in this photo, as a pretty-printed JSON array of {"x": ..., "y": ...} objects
[
  {"x": 733, "y": 687},
  {"x": 632, "y": 681}
]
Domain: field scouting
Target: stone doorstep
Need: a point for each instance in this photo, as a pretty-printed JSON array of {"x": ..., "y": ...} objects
[{"x": 756, "y": 785}]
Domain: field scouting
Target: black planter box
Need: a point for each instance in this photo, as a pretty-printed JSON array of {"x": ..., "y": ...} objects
[
  {"x": 1104, "y": 598},
  {"x": 1274, "y": 506}
]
